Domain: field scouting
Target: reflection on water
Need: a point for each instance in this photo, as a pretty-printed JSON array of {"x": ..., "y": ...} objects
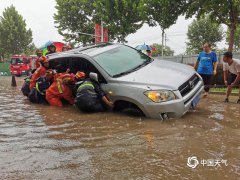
[{"x": 43, "y": 142}]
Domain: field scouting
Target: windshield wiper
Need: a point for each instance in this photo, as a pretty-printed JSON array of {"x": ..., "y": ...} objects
[
  {"x": 133, "y": 69},
  {"x": 123, "y": 73},
  {"x": 142, "y": 65}
]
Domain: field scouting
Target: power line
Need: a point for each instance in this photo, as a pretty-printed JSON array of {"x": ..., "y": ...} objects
[
  {"x": 154, "y": 37},
  {"x": 178, "y": 34},
  {"x": 180, "y": 45}
]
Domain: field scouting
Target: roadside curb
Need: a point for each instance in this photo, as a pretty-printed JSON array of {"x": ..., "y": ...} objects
[{"x": 223, "y": 93}]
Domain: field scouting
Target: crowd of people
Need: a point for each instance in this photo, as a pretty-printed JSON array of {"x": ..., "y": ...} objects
[
  {"x": 48, "y": 86},
  {"x": 206, "y": 66}
]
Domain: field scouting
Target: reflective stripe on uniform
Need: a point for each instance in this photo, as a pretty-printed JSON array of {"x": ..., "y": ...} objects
[
  {"x": 86, "y": 84},
  {"x": 37, "y": 88},
  {"x": 59, "y": 86}
]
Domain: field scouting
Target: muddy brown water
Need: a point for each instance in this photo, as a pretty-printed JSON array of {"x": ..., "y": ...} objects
[{"x": 43, "y": 142}]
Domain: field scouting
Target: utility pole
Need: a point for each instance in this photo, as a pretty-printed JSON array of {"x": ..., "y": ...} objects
[
  {"x": 162, "y": 41},
  {"x": 165, "y": 40}
]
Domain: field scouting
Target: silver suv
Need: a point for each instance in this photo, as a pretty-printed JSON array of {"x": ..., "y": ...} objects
[{"x": 157, "y": 88}]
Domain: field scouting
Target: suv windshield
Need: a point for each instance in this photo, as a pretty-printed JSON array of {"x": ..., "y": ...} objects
[
  {"x": 19, "y": 61},
  {"x": 121, "y": 60}
]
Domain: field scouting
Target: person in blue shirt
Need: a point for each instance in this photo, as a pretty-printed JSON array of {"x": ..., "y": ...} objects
[{"x": 206, "y": 66}]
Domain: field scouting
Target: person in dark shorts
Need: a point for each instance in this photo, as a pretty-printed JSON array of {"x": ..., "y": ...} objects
[
  {"x": 233, "y": 66},
  {"x": 206, "y": 66}
]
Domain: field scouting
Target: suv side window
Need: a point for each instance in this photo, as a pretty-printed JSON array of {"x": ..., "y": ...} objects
[
  {"x": 75, "y": 64},
  {"x": 81, "y": 64},
  {"x": 59, "y": 64}
]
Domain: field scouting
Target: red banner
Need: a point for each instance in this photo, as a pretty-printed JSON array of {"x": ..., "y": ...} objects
[
  {"x": 97, "y": 33},
  {"x": 105, "y": 35}
]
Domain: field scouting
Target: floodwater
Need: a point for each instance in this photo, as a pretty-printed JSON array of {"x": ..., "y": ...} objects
[{"x": 43, "y": 142}]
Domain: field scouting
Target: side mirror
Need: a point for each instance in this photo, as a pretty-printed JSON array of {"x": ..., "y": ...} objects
[{"x": 93, "y": 76}]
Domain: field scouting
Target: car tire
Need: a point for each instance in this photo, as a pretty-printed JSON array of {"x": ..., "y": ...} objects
[{"x": 128, "y": 108}]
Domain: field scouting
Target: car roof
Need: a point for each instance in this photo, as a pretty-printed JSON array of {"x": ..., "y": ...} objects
[{"x": 91, "y": 50}]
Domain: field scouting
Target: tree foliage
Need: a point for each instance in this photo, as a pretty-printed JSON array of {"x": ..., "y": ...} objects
[
  {"x": 121, "y": 17},
  {"x": 236, "y": 46},
  {"x": 14, "y": 37},
  {"x": 163, "y": 12},
  {"x": 222, "y": 11},
  {"x": 75, "y": 19},
  {"x": 200, "y": 31},
  {"x": 167, "y": 51}
]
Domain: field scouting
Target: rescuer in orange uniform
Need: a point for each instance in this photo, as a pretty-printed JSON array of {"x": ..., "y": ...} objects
[
  {"x": 41, "y": 71},
  {"x": 59, "y": 89},
  {"x": 39, "y": 53}
]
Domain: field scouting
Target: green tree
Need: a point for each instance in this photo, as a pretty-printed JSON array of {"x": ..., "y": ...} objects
[
  {"x": 14, "y": 37},
  {"x": 76, "y": 19},
  {"x": 122, "y": 17},
  {"x": 163, "y": 12},
  {"x": 222, "y": 11},
  {"x": 200, "y": 31},
  {"x": 167, "y": 51},
  {"x": 236, "y": 46},
  {"x": 31, "y": 49}
]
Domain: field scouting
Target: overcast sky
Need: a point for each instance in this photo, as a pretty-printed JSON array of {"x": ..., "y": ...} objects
[{"x": 39, "y": 17}]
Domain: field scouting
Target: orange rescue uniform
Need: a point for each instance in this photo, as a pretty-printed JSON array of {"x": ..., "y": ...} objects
[
  {"x": 39, "y": 72},
  {"x": 37, "y": 63},
  {"x": 59, "y": 90}
]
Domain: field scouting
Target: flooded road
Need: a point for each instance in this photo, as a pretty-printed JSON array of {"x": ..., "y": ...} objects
[{"x": 43, "y": 142}]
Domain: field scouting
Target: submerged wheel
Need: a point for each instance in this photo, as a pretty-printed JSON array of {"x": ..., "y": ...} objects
[{"x": 128, "y": 108}]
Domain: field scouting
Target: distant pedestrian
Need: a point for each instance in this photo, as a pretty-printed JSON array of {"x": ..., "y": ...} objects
[
  {"x": 64, "y": 48},
  {"x": 206, "y": 66},
  {"x": 51, "y": 49},
  {"x": 69, "y": 47},
  {"x": 233, "y": 66},
  {"x": 149, "y": 53}
]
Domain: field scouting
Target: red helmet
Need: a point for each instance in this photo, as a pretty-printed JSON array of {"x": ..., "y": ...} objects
[
  {"x": 66, "y": 78},
  {"x": 80, "y": 75}
]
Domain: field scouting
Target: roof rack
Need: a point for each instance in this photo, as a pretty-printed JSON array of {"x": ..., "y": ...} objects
[
  {"x": 80, "y": 49},
  {"x": 83, "y": 48}
]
